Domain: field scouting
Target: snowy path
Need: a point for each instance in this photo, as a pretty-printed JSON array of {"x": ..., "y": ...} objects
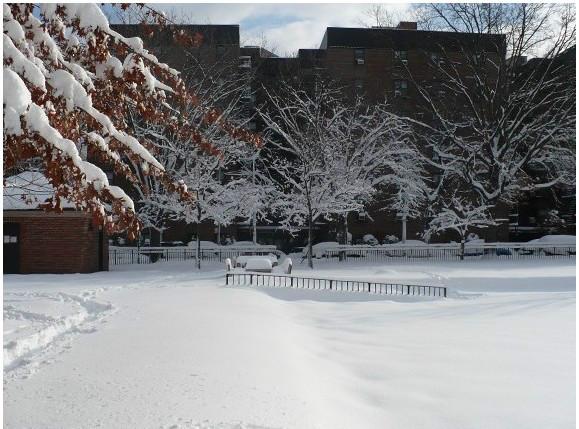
[{"x": 162, "y": 347}]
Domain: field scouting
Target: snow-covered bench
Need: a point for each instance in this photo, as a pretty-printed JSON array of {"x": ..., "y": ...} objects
[
  {"x": 259, "y": 265},
  {"x": 242, "y": 260}
]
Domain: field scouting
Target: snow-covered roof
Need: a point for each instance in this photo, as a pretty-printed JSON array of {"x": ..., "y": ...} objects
[{"x": 27, "y": 190}]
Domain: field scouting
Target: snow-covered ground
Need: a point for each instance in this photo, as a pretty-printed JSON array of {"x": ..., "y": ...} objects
[{"x": 162, "y": 346}]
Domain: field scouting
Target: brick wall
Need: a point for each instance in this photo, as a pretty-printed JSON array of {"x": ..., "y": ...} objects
[{"x": 57, "y": 242}]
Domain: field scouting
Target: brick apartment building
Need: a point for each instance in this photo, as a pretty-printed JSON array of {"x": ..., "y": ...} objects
[{"x": 379, "y": 63}]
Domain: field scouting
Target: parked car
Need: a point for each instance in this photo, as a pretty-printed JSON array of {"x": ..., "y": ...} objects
[
  {"x": 568, "y": 243},
  {"x": 410, "y": 248},
  {"x": 206, "y": 246}
]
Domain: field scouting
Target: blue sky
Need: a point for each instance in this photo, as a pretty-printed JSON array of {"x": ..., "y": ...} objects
[{"x": 284, "y": 27}]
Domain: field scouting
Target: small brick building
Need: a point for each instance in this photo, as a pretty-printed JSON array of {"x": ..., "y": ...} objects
[{"x": 36, "y": 241}]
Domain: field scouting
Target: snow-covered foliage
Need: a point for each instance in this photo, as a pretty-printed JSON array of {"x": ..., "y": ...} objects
[
  {"x": 330, "y": 156},
  {"x": 69, "y": 82},
  {"x": 499, "y": 125}
]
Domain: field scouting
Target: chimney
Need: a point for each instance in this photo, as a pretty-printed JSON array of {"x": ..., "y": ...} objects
[{"x": 407, "y": 25}]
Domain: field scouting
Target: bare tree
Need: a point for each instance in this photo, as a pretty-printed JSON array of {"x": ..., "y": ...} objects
[
  {"x": 460, "y": 215},
  {"x": 498, "y": 124},
  {"x": 218, "y": 84},
  {"x": 377, "y": 15},
  {"x": 330, "y": 156}
]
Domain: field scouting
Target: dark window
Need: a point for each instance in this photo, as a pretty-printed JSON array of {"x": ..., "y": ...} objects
[
  {"x": 436, "y": 58},
  {"x": 359, "y": 56},
  {"x": 245, "y": 62},
  {"x": 359, "y": 85},
  {"x": 220, "y": 51},
  {"x": 401, "y": 56},
  {"x": 400, "y": 88}
]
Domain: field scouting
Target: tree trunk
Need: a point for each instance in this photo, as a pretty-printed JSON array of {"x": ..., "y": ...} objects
[
  {"x": 198, "y": 236},
  {"x": 462, "y": 249},
  {"x": 254, "y": 229},
  {"x": 219, "y": 234},
  {"x": 404, "y": 228},
  {"x": 310, "y": 246},
  {"x": 345, "y": 237}
]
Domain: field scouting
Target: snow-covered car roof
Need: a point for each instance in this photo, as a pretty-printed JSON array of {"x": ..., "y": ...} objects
[
  {"x": 555, "y": 239},
  {"x": 204, "y": 244}
]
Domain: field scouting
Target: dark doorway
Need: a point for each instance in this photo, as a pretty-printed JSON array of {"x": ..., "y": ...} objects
[
  {"x": 101, "y": 249},
  {"x": 11, "y": 248}
]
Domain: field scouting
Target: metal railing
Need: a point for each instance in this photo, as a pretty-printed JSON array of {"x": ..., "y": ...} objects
[
  {"x": 451, "y": 252},
  {"x": 149, "y": 255},
  {"x": 272, "y": 280}
]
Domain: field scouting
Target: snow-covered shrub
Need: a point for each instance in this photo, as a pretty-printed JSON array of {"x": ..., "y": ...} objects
[
  {"x": 370, "y": 240},
  {"x": 390, "y": 239}
]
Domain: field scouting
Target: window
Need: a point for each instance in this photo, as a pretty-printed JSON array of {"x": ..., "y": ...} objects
[
  {"x": 247, "y": 95},
  {"x": 359, "y": 56},
  {"x": 359, "y": 85},
  {"x": 436, "y": 59},
  {"x": 401, "y": 56},
  {"x": 245, "y": 62},
  {"x": 220, "y": 51},
  {"x": 400, "y": 88}
]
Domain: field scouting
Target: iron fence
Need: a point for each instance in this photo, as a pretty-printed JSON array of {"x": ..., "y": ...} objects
[
  {"x": 451, "y": 252},
  {"x": 272, "y": 280},
  {"x": 148, "y": 255}
]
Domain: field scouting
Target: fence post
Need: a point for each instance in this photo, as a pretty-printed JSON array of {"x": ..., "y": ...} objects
[
  {"x": 331, "y": 281},
  {"x": 445, "y": 292},
  {"x": 368, "y": 287},
  {"x": 226, "y": 279},
  {"x": 251, "y": 279}
]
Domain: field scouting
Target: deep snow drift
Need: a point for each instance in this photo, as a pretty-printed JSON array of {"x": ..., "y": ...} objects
[{"x": 163, "y": 346}]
